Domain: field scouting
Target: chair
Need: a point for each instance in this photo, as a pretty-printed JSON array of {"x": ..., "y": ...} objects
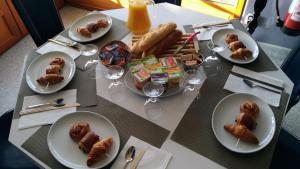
[
  {"x": 291, "y": 68},
  {"x": 287, "y": 152},
  {"x": 11, "y": 157},
  {"x": 41, "y": 18}
]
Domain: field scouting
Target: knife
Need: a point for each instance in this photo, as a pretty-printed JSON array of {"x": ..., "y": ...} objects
[
  {"x": 213, "y": 24},
  {"x": 137, "y": 159},
  {"x": 188, "y": 40},
  {"x": 64, "y": 44},
  {"x": 42, "y": 109}
]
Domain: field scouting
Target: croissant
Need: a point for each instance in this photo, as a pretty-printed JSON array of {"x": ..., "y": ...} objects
[
  {"x": 241, "y": 53},
  {"x": 53, "y": 69},
  {"x": 50, "y": 79},
  {"x": 102, "y": 23},
  {"x": 242, "y": 132},
  {"x": 250, "y": 108},
  {"x": 231, "y": 38},
  {"x": 84, "y": 32},
  {"x": 98, "y": 150},
  {"x": 246, "y": 120},
  {"x": 87, "y": 142},
  {"x": 92, "y": 27},
  {"x": 233, "y": 46},
  {"x": 79, "y": 130},
  {"x": 58, "y": 61}
]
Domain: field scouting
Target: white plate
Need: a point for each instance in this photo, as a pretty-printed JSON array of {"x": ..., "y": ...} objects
[
  {"x": 67, "y": 152},
  {"x": 219, "y": 36},
  {"x": 225, "y": 113},
  {"x": 82, "y": 22},
  {"x": 129, "y": 83},
  {"x": 38, "y": 66}
]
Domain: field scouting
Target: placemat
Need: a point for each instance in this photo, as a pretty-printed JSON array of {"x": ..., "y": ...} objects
[
  {"x": 83, "y": 81},
  {"x": 195, "y": 132},
  {"x": 127, "y": 124}
]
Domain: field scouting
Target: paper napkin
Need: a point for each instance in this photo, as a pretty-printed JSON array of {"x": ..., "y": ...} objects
[
  {"x": 50, "y": 46},
  {"x": 153, "y": 157},
  {"x": 236, "y": 84},
  {"x": 46, "y": 117},
  {"x": 206, "y": 34}
]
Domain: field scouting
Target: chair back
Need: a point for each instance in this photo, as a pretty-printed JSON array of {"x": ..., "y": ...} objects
[
  {"x": 291, "y": 67},
  {"x": 41, "y": 18}
]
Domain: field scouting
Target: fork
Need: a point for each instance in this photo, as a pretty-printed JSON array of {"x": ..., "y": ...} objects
[{"x": 253, "y": 85}]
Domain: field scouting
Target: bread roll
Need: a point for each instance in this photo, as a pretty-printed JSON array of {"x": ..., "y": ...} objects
[
  {"x": 165, "y": 43},
  {"x": 153, "y": 37},
  {"x": 246, "y": 120},
  {"x": 250, "y": 107}
]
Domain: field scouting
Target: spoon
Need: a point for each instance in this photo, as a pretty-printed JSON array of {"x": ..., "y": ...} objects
[
  {"x": 129, "y": 156},
  {"x": 56, "y": 103}
]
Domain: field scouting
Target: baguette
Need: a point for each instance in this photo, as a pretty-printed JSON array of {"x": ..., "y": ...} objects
[
  {"x": 165, "y": 43},
  {"x": 153, "y": 37}
]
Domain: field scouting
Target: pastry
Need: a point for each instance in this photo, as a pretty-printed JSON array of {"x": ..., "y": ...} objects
[
  {"x": 92, "y": 27},
  {"x": 246, "y": 120},
  {"x": 84, "y": 32},
  {"x": 231, "y": 37},
  {"x": 102, "y": 23},
  {"x": 54, "y": 69},
  {"x": 86, "y": 143},
  {"x": 153, "y": 37},
  {"x": 58, "y": 61},
  {"x": 165, "y": 43},
  {"x": 79, "y": 130},
  {"x": 250, "y": 108},
  {"x": 241, "y": 132},
  {"x": 241, "y": 53},
  {"x": 233, "y": 46},
  {"x": 98, "y": 150},
  {"x": 50, "y": 79}
]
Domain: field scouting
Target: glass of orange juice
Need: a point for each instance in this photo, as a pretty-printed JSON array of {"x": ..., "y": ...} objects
[{"x": 138, "y": 21}]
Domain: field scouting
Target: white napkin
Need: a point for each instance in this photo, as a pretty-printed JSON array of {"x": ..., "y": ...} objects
[
  {"x": 206, "y": 34},
  {"x": 257, "y": 76},
  {"x": 153, "y": 157},
  {"x": 46, "y": 117},
  {"x": 236, "y": 84},
  {"x": 50, "y": 46}
]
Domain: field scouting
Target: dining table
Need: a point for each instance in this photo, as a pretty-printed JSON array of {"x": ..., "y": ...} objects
[{"x": 184, "y": 128}]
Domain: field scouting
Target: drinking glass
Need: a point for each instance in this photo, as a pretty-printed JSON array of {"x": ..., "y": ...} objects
[
  {"x": 192, "y": 82},
  {"x": 88, "y": 49},
  {"x": 116, "y": 87},
  {"x": 153, "y": 91},
  {"x": 212, "y": 64},
  {"x": 214, "y": 48}
]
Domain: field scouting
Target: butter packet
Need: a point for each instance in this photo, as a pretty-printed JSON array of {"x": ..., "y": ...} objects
[
  {"x": 151, "y": 59},
  {"x": 135, "y": 66},
  {"x": 154, "y": 68},
  {"x": 141, "y": 75},
  {"x": 168, "y": 62}
]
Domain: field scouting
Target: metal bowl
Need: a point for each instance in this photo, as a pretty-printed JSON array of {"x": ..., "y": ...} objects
[{"x": 198, "y": 57}]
